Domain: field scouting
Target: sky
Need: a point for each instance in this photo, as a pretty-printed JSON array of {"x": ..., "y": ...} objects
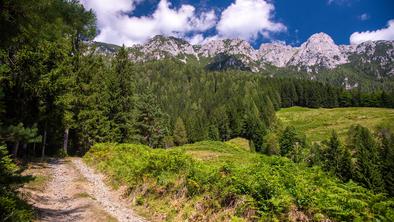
[{"x": 292, "y": 22}]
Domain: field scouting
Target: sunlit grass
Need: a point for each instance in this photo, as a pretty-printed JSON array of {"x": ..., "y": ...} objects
[{"x": 318, "y": 123}]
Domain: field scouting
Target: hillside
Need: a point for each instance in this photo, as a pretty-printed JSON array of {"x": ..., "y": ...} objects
[
  {"x": 216, "y": 181},
  {"x": 317, "y": 124}
]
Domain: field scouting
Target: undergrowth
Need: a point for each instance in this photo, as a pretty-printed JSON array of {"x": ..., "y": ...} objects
[{"x": 235, "y": 185}]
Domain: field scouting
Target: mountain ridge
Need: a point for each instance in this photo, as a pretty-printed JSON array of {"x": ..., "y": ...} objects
[{"x": 317, "y": 53}]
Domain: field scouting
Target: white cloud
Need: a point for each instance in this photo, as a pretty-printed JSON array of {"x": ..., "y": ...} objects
[
  {"x": 119, "y": 27},
  {"x": 380, "y": 34},
  {"x": 246, "y": 19},
  {"x": 364, "y": 17}
]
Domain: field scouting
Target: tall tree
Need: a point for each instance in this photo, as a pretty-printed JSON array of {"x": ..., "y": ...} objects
[
  {"x": 151, "y": 121},
  {"x": 367, "y": 169},
  {"x": 287, "y": 140},
  {"x": 180, "y": 134},
  {"x": 386, "y": 142}
]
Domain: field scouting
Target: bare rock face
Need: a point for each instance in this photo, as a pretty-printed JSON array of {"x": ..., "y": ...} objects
[
  {"x": 374, "y": 56},
  {"x": 228, "y": 46},
  {"x": 276, "y": 54},
  {"x": 319, "y": 51},
  {"x": 160, "y": 47}
]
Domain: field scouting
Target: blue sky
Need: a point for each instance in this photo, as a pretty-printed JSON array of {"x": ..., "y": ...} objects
[{"x": 257, "y": 21}]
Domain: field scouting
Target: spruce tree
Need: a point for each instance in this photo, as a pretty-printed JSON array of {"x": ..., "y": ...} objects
[
  {"x": 287, "y": 140},
  {"x": 180, "y": 134},
  {"x": 151, "y": 121},
  {"x": 386, "y": 137},
  {"x": 332, "y": 153},
  {"x": 345, "y": 166},
  {"x": 367, "y": 170}
]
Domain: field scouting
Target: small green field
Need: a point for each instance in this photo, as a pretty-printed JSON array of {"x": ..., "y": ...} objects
[
  {"x": 216, "y": 181},
  {"x": 317, "y": 124}
]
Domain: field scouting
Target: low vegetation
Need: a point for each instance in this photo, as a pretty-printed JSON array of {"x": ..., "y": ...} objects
[
  {"x": 12, "y": 207},
  {"x": 218, "y": 181}
]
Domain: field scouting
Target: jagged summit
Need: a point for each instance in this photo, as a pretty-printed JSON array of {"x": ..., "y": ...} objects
[
  {"x": 276, "y": 54},
  {"x": 320, "y": 37},
  {"x": 238, "y": 47},
  {"x": 317, "y": 53},
  {"x": 160, "y": 47}
]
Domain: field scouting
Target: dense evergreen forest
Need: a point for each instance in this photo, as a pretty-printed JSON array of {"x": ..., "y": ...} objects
[
  {"x": 56, "y": 92},
  {"x": 58, "y": 97}
]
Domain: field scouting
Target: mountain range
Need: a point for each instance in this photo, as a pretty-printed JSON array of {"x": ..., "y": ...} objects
[{"x": 318, "y": 53}]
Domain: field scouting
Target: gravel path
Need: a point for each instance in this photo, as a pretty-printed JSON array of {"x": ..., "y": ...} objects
[
  {"x": 74, "y": 193},
  {"x": 107, "y": 198}
]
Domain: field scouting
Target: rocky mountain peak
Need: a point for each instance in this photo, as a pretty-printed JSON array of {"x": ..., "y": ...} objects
[
  {"x": 319, "y": 51},
  {"x": 237, "y": 47},
  {"x": 160, "y": 47},
  {"x": 320, "y": 38},
  {"x": 276, "y": 54}
]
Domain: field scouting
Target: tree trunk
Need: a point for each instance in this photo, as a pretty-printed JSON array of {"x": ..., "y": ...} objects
[
  {"x": 44, "y": 141},
  {"x": 15, "y": 151},
  {"x": 25, "y": 151},
  {"x": 65, "y": 140}
]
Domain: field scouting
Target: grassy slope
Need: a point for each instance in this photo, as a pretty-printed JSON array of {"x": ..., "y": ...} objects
[
  {"x": 318, "y": 123},
  {"x": 215, "y": 181}
]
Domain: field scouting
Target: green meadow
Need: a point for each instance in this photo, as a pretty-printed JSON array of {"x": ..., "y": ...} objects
[{"x": 317, "y": 124}]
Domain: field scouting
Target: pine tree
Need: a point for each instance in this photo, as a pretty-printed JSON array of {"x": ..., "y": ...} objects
[
  {"x": 332, "y": 153},
  {"x": 123, "y": 96},
  {"x": 386, "y": 137},
  {"x": 367, "y": 169},
  {"x": 180, "y": 134},
  {"x": 345, "y": 166},
  {"x": 287, "y": 140},
  {"x": 151, "y": 121},
  {"x": 253, "y": 127}
]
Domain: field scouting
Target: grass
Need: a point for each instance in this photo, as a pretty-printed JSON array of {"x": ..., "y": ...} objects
[
  {"x": 317, "y": 124},
  {"x": 216, "y": 181},
  {"x": 240, "y": 143},
  {"x": 40, "y": 178},
  {"x": 83, "y": 195}
]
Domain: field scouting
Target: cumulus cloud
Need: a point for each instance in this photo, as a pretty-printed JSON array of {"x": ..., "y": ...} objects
[
  {"x": 380, "y": 34},
  {"x": 246, "y": 19},
  {"x": 118, "y": 26}
]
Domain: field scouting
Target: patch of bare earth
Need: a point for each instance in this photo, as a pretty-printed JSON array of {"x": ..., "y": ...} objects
[{"x": 67, "y": 190}]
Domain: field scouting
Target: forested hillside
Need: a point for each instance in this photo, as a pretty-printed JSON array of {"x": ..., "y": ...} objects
[{"x": 59, "y": 98}]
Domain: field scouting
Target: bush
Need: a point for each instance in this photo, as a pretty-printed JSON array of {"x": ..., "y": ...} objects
[
  {"x": 12, "y": 208},
  {"x": 218, "y": 176}
]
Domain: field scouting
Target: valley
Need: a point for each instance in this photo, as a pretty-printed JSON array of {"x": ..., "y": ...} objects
[{"x": 164, "y": 111}]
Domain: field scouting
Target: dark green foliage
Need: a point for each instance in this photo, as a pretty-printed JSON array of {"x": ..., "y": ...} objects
[
  {"x": 386, "y": 139},
  {"x": 223, "y": 62},
  {"x": 287, "y": 140},
  {"x": 332, "y": 153},
  {"x": 337, "y": 158},
  {"x": 180, "y": 134},
  {"x": 151, "y": 121},
  {"x": 122, "y": 96},
  {"x": 367, "y": 167},
  {"x": 273, "y": 186},
  {"x": 345, "y": 166},
  {"x": 12, "y": 208}
]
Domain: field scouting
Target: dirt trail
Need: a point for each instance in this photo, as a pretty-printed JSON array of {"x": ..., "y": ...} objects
[{"x": 74, "y": 192}]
